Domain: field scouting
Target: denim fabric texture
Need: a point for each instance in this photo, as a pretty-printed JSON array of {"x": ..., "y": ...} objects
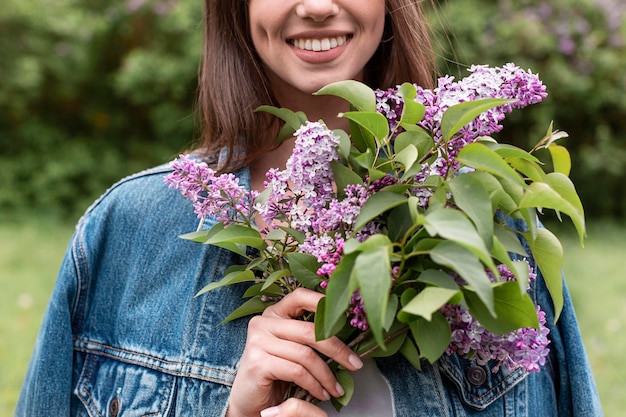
[{"x": 124, "y": 335}]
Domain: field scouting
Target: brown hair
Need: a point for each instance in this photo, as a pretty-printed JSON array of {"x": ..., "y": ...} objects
[{"x": 232, "y": 82}]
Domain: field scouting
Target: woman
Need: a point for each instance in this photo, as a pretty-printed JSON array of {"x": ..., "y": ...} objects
[{"x": 124, "y": 335}]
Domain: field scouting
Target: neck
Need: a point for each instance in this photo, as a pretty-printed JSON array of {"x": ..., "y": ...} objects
[{"x": 316, "y": 108}]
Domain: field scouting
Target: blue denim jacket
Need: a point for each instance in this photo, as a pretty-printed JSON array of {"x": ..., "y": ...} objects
[{"x": 123, "y": 334}]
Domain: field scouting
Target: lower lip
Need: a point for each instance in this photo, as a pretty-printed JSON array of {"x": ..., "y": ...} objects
[{"x": 319, "y": 57}]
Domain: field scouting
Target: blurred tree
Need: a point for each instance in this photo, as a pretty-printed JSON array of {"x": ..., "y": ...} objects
[
  {"x": 91, "y": 91},
  {"x": 578, "y": 47}
]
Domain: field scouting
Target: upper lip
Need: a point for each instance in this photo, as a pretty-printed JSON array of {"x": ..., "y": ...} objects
[{"x": 319, "y": 34}]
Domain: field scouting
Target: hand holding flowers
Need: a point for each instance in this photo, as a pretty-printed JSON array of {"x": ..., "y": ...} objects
[{"x": 401, "y": 224}]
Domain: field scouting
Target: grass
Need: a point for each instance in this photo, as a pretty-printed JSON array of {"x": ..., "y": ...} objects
[
  {"x": 595, "y": 276},
  {"x": 30, "y": 255}
]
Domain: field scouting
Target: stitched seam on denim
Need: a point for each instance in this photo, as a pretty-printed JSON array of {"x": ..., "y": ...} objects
[
  {"x": 163, "y": 369},
  {"x": 513, "y": 377},
  {"x": 438, "y": 386},
  {"x": 205, "y": 305},
  {"x": 78, "y": 253},
  {"x": 87, "y": 396}
]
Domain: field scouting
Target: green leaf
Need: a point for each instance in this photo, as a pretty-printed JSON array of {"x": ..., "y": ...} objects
[
  {"x": 341, "y": 286},
  {"x": 530, "y": 169},
  {"x": 365, "y": 159},
  {"x": 565, "y": 188},
  {"x": 393, "y": 346},
  {"x": 345, "y": 144},
  {"x": 453, "y": 225},
  {"x": 233, "y": 277},
  {"x": 471, "y": 196},
  {"x": 438, "y": 278},
  {"x": 399, "y": 222},
  {"x": 560, "y": 159},
  {"x": 432, "y": 337},
  {"x": 235, "y": 237},
  {"x": 296, "y": 234},
  {"x": 513, "y": 309},
  {"x": 548, "y": 254},
  {"x": 479, "y": 156},
  {"x": 418, "y": 138},
  {"x": 376, "y": 205},
  {"x": 409, "y": 351},
  {"x": 390, "y": 314},
  {"x": 252, "y": 306},
  {"x": 344, "y": 176},
  {"x": 407, "y": 156},
  {"x": 428, "y": 301},
  {"x": 373, "y": 122},
  {"x": 347, "y": 383},
  {"x": 293, "y": 119},
  {"x": 461, "y": 114},
  {"x": 509, "y": 240},
  {"x": 510, "y": 151},
  {"x": 272, "y": 291},
  {"x": 412, "y": 111},
  {"x": 543, "y": 195},
  {"x": 320, "y": 331},
  {"x": 275, "y": 276},
  {"x": 304, "y": 268},
  {"x": 356, "y": 93},
  {"x": 465, "y": 263},
  {"x": 373, "y": 242},
  {"x": 372, "y": 270},
  {"x": 501, "y": 254}
]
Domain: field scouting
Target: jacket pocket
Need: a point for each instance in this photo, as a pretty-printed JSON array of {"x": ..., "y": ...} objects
[
  {"x": 112, "y": 388},
  {"x": 477, "y": 386}
]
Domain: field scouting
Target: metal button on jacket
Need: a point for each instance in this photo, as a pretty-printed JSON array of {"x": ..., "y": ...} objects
[
  {"x": 476, "y": 375},
  {"x": 114, "y": 407}
]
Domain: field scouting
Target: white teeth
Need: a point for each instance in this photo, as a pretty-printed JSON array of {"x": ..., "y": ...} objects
[{"x": 317, "y": 45}]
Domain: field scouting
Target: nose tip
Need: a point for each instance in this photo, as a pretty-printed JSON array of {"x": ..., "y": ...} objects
[{"x": 318, "y": 10}]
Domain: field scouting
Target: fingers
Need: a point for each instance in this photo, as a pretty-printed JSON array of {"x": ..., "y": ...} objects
[
  {"x": 294, "y": 304},
  {"x": 280, "y": 349},
  {"x": 294, "y": 408}
]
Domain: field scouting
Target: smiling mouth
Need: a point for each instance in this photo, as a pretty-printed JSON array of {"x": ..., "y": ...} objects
[{"x": 319, "y": 45}]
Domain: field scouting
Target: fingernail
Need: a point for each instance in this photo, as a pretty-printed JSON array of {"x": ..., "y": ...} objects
[
  {"x": 339, "y": 389},
  {"x": 355, "y": 361},
  {"x": 326, "y": 395},
  {"x": 270, "y": 412}
]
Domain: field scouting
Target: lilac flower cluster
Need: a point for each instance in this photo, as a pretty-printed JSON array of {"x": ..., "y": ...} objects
[
  {"x": 330, "y": 226},
  {"x": 526, "y": 347},
  {"x": 219, "y": 196},
  {"x": 306, "y": 184},
  {"x": 507, "y": 82},
  {"x": 302, "y": 197}
]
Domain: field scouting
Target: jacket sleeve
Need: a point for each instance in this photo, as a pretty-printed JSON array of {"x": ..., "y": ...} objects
[
  {"x": 47, "y": 386},
  {"x": 573, "y": 378}
]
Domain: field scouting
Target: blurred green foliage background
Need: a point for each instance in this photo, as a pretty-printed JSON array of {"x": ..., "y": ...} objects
[{"x": 93, "y": 90}]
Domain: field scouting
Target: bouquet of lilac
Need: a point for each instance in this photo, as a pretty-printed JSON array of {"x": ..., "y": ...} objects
[{"x": 401, "y": 222}]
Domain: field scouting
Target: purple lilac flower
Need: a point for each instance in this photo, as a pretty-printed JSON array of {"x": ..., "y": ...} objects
[
  {"x": 356, "y": 312},
  {"x": 306, "y": 185},
  {"x": 309, "y": 167},
  {"x": 219, "y": 196},
  {"x": 507, "y": 82},
  {"x": 526, "y": 347}
]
